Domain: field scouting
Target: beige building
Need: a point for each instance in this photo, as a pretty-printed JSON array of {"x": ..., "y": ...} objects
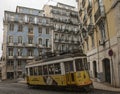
[
  {"x": 100, "y": 28},
  {"x": 65, "y": 34}
]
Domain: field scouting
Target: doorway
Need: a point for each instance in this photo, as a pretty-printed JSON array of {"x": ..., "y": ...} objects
[
  {"x": 95, "y": 69},
  {"x": 107, "y": 72}
]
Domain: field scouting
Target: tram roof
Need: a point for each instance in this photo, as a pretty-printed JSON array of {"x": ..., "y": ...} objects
[{"x": 58, "y": 58}]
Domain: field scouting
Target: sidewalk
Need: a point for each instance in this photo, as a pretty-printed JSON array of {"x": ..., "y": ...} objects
[{"x": 104, "y": 86}]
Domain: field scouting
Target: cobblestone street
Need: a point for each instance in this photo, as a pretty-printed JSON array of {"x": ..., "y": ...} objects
[{"x": 18, "y": 88}]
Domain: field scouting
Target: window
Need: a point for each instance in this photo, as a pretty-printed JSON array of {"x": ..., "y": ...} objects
[
  {"x": 19, "y": 39},
  {"x": 51, "y": 69},
  {"x": 30, "y": 52},
  {"x": 35, "y": 71},
  {"x": 40, "y": 52},
  {"x": 40, "y": 30},
  {"x": 31, "y": 19},
  {"x": 10, "y": 63},
  {"x": 40, "y": 41},
  {"x": 69, "y": 66},
  {"x": 47, "y": 42},
  {"x": 20, "y": 28},
  {"x": 21, "y": 18},
  {"x": 45, "y": 70},
  {"x": 10, "y": 40},
  {"x": 57, "y": 68},
  {"x": 47, "y": 30},
  {"x": 19, "y": 52},
  {"x": 39, "y": 70},
  {"x": 85, "y": 63},
  {"x": 92, "y": 39},
  {"x": 56, "y": 36},
  {"x": 19, "y": 63},
  {"x": 87, "y": 44},
  {"x": 31, "y": 71},
  {"x": 79, "y": 65},
  {"x": 39, "y": 20},
  {"x": 91, "y": 21},
  {"x": 102, "y": 30},
  {"x": 10, "y": 51},
  {"x": 30, "y": 40},
  {"x": 11, "y": 27},
  {"x": 30, "y": 30}
]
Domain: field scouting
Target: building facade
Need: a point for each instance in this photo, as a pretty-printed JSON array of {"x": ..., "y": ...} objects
[
  {"x": 65, "y": 34},
  {"x": 27, "y": 35},
  {"x": 100, "y": 30}
]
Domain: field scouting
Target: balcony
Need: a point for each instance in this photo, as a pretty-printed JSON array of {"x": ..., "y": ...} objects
[
  {"x": 30, "y": 45},
  {"x": 90, "y": 29},
  {"x": 10, "y": 44},
  {"x": 19, "y": 56},
  {"x": 10, "y": 57},
  {"x": 30, "y": 33},
  {"x": 30, "y": 57},
  {"x": 100, "y": 14}
]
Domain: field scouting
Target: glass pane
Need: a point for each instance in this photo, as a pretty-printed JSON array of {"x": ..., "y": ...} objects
[
  {"x": 79, "y": 65},
  {"x": 85, "y": 63},
  {"x": 57, "y": 68},
  {"x": 45, "y": 70},
  {"x": 51, "y": 69},
  {"x": 31, "y": 71},
  {"x": 39, "y": 70}
]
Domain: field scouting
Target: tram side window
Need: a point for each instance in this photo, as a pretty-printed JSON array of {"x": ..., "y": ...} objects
[
  {"x": 85, "y": 63},
  {"x": 27, "y": 71},
  {"x": 39, "y": 70},
  {"x": 45, "y": 70},
  {"x": 57, "y": 68},
  {"x": 79, "y": 64},
  {"x": 35, "y": 70},
  {"x": 51, "y": 69},
  {"x": 66, "y": 67},
  {"x": 31, "y": 71}
]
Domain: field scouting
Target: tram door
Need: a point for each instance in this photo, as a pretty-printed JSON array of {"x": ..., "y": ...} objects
[{"x": 69, "y": 71}]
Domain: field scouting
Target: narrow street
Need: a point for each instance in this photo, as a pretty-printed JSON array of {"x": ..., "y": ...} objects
[{"x": 18, "y": 88}]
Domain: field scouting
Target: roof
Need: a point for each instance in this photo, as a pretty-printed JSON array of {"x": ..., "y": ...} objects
[{"x": 57, "y": 58}]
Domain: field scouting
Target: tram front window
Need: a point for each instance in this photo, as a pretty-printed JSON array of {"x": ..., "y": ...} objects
[
  {"x": 69, "y": 66},
  {"x": 85, "y": 63},
  {"x": 79, "y": 65}
]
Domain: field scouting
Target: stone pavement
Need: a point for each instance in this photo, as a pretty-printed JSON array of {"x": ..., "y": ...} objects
[
  {"x": 104, "y": 86},
  {"x": 97, "y": 85}
]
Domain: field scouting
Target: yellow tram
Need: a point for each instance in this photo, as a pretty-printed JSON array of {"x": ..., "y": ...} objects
[{"x": 69, "y": 70}]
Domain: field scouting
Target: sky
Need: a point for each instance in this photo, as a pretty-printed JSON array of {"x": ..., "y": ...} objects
[{"x": 10, "y": 5}]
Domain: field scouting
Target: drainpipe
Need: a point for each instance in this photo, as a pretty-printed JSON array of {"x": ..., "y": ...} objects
[{"x": 97, "y": 39}]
